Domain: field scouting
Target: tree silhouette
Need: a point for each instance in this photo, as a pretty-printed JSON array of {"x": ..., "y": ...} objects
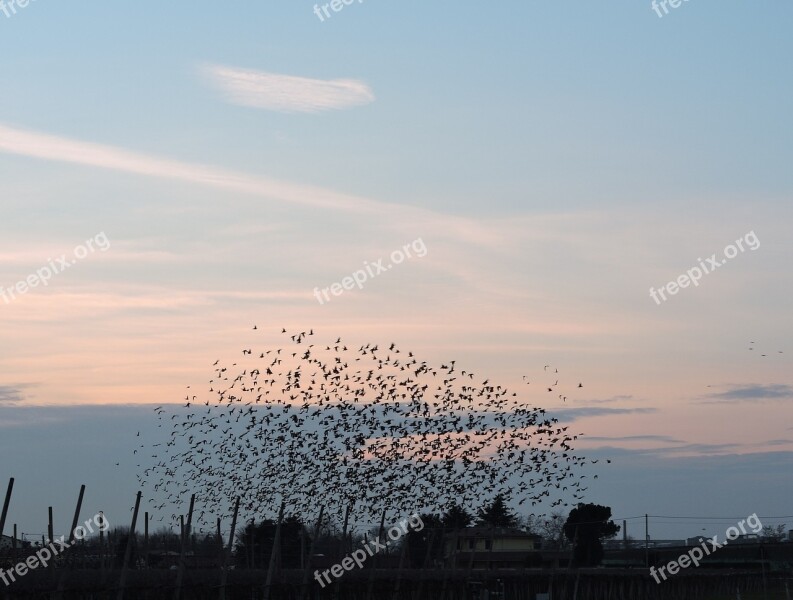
[
  {"x": 255, "y": 544},
  {"x": 456, "y": 517},
  {"x": 773, "y": 534},
  {"x": 427, "y": 542},
  {"x": 497, "y": 514},
  {"x": 550, "y": 528},
  {"x": 586, "y": 527}
]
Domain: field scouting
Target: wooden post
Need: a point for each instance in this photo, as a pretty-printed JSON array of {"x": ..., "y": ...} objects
[
  {"x": 76, "y": 514},
  {"x": 343, "y": 544},
  {"x": 374, "y": 560},
  {"x": 14, "y": 543},
  {"x": 276, "y": 550},
  {"x": 102, "y": 544},
  {"x": 762, "y": 564},
  {"x": 50, "y": 528},
  {"x": 146, "y": 538},
  {"x": 62, "y": 579},
  {"x": 185, "y": 539},
  {"x": 227, "y": 552},
  {"x": 51, "y": 534},
  {"x": 454, "y": 552},
  {"x": 5, "y": 505},
  {"x": 401, "y": 565},
  {"x": 344, "y": 529},
  {"x": 575, "y": 587},
  {"x": 251, "y": 545},
  {"x": 427, "y": 557},
  {"x": 219, "y": 540},
  {"x": 128, "y": 550},
  {"x": 307, "y": 572},
  {"x": 624, "y": 534}
]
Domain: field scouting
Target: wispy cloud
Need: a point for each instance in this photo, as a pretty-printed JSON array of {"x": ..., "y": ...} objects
[
  {"x": 620, "y": 398},
  {"x": 11, "y": 393},
  {"x": 701, "y": 449},
  {"x": 634, "y": 438},
  {"x": 681, "y": 450},
  {"x": 50, "y": 147},
  {"x": 569, "y": 414},
  {"x": 750, "y": 393},
  {"x": 286, "y": 93}
]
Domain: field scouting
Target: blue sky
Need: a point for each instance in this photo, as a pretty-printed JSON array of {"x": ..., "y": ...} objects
[{"x": 556, "y": 159}]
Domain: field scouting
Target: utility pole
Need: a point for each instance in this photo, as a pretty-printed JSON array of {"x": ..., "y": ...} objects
[
  {"x": 646, "y": 540},
  {"x": 624, "y": 534}
]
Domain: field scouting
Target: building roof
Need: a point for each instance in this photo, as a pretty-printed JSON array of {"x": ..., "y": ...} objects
[{"x": 484, "y": 531}]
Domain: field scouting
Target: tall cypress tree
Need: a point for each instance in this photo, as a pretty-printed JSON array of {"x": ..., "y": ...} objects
[{"x": 497, "y": 513}]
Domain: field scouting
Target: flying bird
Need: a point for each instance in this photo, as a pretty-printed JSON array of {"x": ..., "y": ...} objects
[{"x": 340, "y": 427}]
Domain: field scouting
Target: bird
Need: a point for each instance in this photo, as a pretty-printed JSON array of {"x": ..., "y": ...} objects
[{"x": 344, "y": 423}]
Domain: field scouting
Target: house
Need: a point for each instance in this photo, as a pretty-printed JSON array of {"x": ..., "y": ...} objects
[
  {"x": 484, "y": 547},
  {"x": 6, "y": 543}
]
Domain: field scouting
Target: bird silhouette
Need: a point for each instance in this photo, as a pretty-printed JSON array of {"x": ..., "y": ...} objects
[{"x": 364, "y": 427}]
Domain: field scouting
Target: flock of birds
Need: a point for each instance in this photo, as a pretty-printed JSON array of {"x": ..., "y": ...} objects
[
  {"x": 370, "y": 429},
  {"x": 751, "y": 347}
]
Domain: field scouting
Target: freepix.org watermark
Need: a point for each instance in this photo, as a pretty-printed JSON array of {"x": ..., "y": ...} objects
[
  {"x": 359, "y": 277},
  {"x": 697, "y": 553},
  {"x": 657, "y": 5},
  {"x": 43, "y": 275},
  {"x": 334, "y": 5},
  {"x": 9, "y": 7},
  {"x": 694, "y": 274},
  {"x": 44, "y": 555},
  {"x": 359, "y": 556}
]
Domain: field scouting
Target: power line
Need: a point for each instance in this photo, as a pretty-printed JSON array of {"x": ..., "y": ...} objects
[{"x": 718, "y": 518}]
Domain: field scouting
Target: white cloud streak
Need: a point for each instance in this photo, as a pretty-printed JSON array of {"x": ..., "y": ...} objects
[
  {"x": 50, "y": 147},
  {"x": 286, "y": 93},
  {"x": 33, "y": 144}
]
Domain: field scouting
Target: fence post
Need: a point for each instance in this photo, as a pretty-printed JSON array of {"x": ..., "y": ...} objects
[
  {"x": 306, "y": 573},
  {"x": 227, "y": 552},
  {"x": 128, "y": 550},
  {"x": 185, "y": 540},
  {"x": 5, "y": 505},
  {"x": 76, "y": 514},
  {"x": 276, "y": 550},
  {"x": 375, "y": 561}
]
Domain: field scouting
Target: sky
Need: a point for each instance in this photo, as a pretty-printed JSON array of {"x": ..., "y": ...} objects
[{"x": 172, "y": 174}]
